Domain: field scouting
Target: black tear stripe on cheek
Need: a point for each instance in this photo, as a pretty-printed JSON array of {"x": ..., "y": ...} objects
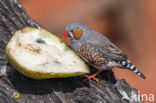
[{"x": 70, "y": 34}]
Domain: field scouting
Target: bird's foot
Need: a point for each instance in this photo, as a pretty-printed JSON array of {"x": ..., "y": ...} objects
[{"x": 93, "y": 76}]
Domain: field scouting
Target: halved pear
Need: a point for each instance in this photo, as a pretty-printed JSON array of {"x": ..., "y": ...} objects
[{"x": 39, "y": 54}]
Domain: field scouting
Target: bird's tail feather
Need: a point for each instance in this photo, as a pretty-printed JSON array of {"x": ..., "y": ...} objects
[{"x": 127, "y": 64}]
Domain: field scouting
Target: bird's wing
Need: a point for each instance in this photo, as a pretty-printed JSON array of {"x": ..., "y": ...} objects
[{"x": 108, "y": 51}]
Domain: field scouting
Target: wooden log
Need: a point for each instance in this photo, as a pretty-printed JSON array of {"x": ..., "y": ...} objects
[{"x": 16, "y": 88}]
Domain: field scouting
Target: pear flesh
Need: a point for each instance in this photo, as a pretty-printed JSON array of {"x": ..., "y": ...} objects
[{"x": 39, "y": 54}]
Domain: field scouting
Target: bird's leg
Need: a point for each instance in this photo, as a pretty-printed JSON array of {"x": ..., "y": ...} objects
[{"x": 93, "y": 76}]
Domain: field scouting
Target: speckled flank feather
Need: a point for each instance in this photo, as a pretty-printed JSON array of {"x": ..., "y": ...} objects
[
  {"x": 127, "y": 64},
  {"x": 92, "y": 55}
]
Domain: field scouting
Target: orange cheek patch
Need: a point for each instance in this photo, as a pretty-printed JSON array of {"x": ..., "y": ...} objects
[{"x": 78, "y": 34}]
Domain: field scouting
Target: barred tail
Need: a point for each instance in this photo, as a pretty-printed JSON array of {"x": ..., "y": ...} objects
[{"x": 127, "y": 64}]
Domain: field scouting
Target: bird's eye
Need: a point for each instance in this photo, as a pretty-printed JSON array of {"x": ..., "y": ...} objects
[{"x": 78, "y": 33}]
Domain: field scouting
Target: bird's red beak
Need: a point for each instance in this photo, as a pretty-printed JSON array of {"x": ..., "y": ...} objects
[{"x": 65, "y": 35}]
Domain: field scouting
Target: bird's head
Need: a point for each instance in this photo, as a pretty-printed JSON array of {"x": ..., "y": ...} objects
[{"x": 77, "y": 32}]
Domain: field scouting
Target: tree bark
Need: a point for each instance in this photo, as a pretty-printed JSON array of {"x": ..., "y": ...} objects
[{"x": 13, "y": 17}]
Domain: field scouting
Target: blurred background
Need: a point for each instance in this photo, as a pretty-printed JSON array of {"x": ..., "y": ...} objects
[{"x": 130, "y": 24}]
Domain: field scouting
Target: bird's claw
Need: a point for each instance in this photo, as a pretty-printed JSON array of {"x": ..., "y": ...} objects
[{"x": 91, "y": 77}]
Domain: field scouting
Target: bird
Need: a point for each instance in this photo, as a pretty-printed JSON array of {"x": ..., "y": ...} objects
[{"x": 97, "y": 50}]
